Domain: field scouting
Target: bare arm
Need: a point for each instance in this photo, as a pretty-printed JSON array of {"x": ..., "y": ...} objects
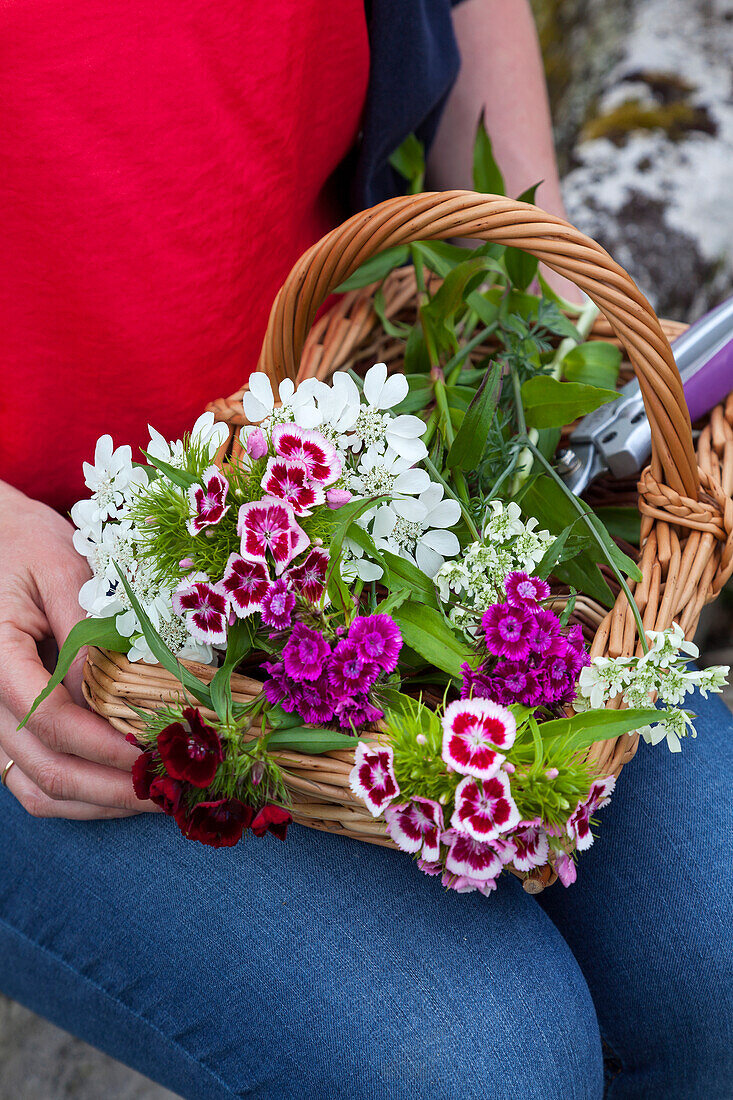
[{"x": 501, "y": 74}]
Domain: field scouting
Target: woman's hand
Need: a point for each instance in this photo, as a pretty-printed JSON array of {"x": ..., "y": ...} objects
[{"x": 68, "y": 762}]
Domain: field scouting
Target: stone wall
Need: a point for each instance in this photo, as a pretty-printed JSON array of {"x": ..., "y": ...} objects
[{"x": 642, "y": 94}]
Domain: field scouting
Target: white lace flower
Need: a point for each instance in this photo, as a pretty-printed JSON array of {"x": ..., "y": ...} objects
[
  {"x": 206, "y": 433},
  {"x": 259, "y": 399},
  {"x": 677, "y": 724},
  {"x": 354, "y": 564},
  {"x": 712, "y": 679},
  {"x": 603, "y": 679},
  {"x": 111, "y": 479},
  {"x": 415, "y": 528},
  {"x": 667, "y": 645},
  {"x": 387, "y": 474},
  {"x": 85, "y": 516},
  {"x": 331, "y": 409}
]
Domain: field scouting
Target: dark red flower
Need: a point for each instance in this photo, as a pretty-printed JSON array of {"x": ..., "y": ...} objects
[
  {"x": 219, "y": 824},
  {"x": 272, "y": 819},
  {"x": 190, "y": 749},
  {"x": 166, "y": 793},
  {"x": 143, "y": 774}
]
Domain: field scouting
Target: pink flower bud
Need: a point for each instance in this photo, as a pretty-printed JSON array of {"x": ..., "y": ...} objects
[
  {"x": 421, "y": 739},
  {"x": 338, "y": 497},
  {"x": 256, "y": 444},
  {"x": 552, "y": 773},
  {"x": 509, "y": 767},
  {"x": 186, "y": 563},
  {"x": 257, "y": 773}
]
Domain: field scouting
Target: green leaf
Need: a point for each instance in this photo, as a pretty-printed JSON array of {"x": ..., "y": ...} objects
[
  {"x": 439, "y": 314},
  {"x": 484, "y": 305},
  {"x": 529, "y": 194},
  {"x": 468, "y": 445},
  {"x": 521, "y": 267},
  {"x": 621, "y": 523},
  {"x": 549, "y": 403},
  {"x": 375, "y": 268},
  {"x": 442, "y": 257},
  {"x": 426, "y": 631},
  {"x": 487, "y": 178},
  {"x": 310, "y": 739},
  {"x": 162, "y": 654},
  {"x": 595, "y": 363},
  {"x": 409, "y": 161},
  {"x": 96, "y": 632},
  {"x": 397, "y": 329},
  {"x": 181, "y": 478},
  {"x": 240, "y": 637},
  {"x": 401, "y": 572},
  {"x": 589, "y": 726},
  {"x": 417, "y": 360}
]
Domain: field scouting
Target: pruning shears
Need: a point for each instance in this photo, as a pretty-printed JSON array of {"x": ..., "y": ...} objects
[{"x": 617, "y": 437}]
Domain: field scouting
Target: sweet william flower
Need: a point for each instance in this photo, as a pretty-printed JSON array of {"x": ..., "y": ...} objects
[
  {"x": 566, "y": 869},
  {"x": 204, "y": 606},
  {"x": 416, "y": 826},
  {"x": 350, "y": 671},
  {"x": 190, "y": 749},
  {"x": 271, "y": 819},
  {"x": 474, "y": 732},
  {"x": 305, "y": 653},
  {"x": 477, "y": 860},
  {"x": 509, "y": 630},
  {"x": 269, "y": 526},
  {"x": 206, "y": 501},
  {"x": 219, "y": 824},
  {"x": 309, "y": 578},
  {"x": 144, "y": 771},
  {"x": 318, "y": 456},
  {"x": 246, "y": 584},
  {"x": 521, "y": 588},
  {"x": 166, "y": 793},
  {"x": 355, "y": 711},
  {"x": 278, "y": 604},
  {"x": 578, "y": 826},
  {"x": 372, "y": 778},
  {"x": 531, "y": 847},
  {"x": 484, "y": 808},
  {"x": 377, "y": 638},
  {"x": 289, "y": 480}
]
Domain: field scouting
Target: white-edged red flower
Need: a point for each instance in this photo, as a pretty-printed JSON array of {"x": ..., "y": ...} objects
[
  {"x": 416, "y": 826},
  {"x": 288, "y": 479},
  {"x": 269, "y": 526},
  {"x": 309, "y": 578},
  {"x": 205, "y": 608},
  {"x": 578, "y": 826},
  {"x": 246, "y": 583},
  {"x": 471, "y": 858},
  {"x": 207, "y": 500},
  {"x": 474, "y": 730},
  {"x": 531, "y": 847},
  {"x": 317, "y": 454},
  {"x": 485, "y": 808},
  {"x": 372, "y": 778}
]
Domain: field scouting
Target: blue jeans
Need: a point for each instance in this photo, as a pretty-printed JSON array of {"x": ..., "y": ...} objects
[{"x": 323, "y": 968}]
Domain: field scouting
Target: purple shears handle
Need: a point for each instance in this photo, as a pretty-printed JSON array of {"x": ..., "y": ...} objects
[{"x": 704, "y": 357}]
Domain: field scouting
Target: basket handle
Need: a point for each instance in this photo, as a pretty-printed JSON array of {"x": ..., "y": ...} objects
[{"x": 440, "y": 214}]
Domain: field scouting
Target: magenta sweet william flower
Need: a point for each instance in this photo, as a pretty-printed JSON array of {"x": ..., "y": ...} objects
[
  {"x": 190, "y": 749},
  {"x": 317, "y": 454},
  {"x": 305, "y": 653},
  {"x": 484, "y": 808},
  {"x": 309, "y": 578},
  {"x": 356, "y": 711},
  {"x": 271, "y": 819},
  {"x": 521, "y": 683},
  {"x": 167, "y": 793},
  {"x": 207, "y": 501},
  {"x": 509, "y": 630},
  {"x": 430, "y": 866},
  {"x": 548, "y": 640},
  {"x": 416, "y": 826},
  {"x": 475, "y": 859},
  {"x": 521, "y": 588},
  {"x": 377, "y": 638},
  {"x": 349, "y": 671},
  {"x": 465, "y": 884},
  {"x": 219, "y": 824},
  {"x": 280, "y": 688},
  {"x": 578, "y": 826},
  {"x": 269, "y": 526},
  {"x": 278, "y": 604},
  {"x": 531, "y": 847},
  {"x": 246, "y": 583},
  {"x": 474, "y": 730},
  {"x": 205, "y": 607},
  {"x": 315, "y": 701},
  {"x": 288, "y": 480},
  {"x": 372, "y": 777}
]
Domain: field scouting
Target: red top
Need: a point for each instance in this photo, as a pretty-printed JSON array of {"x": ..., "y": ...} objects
[{"x": 163, "y": 165}]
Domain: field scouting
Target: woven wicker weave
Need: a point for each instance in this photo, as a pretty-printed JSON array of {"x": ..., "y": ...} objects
[{"x": 684, "y": 494}]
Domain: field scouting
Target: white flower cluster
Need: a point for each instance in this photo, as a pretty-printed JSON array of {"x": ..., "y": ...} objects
[
  {"x": 476, "y": 579},
  {"x": 381, "y": 455},
  {"x": 662, "y": 673},
  {"x": 107, "y": 537}
]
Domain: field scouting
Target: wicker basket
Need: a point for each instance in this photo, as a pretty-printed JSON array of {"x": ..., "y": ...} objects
[{"x": 684, "y": 495}]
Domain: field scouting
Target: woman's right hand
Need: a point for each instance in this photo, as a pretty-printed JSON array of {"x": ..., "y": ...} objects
[{"x": 68, "y": 762}]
